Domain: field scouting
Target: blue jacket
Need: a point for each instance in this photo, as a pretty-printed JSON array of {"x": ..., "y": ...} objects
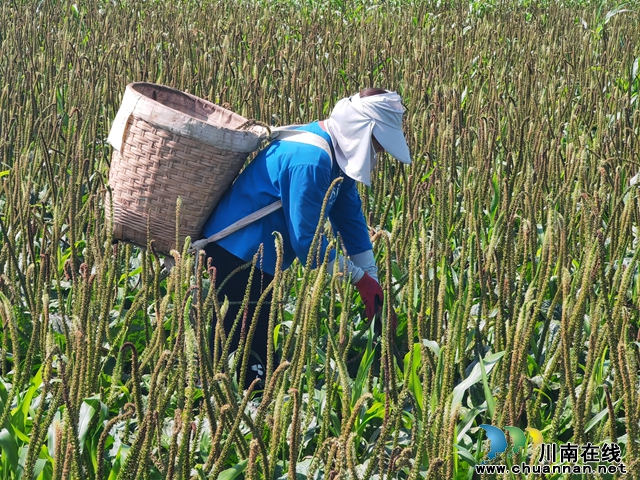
[{"x": 299, "y": 175}]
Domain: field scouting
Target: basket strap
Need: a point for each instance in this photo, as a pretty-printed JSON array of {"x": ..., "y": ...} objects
[
  {"x": 290, "y": 134},
  {"x": 286, "y": 134},
  {"x": 234, "y": 227}
]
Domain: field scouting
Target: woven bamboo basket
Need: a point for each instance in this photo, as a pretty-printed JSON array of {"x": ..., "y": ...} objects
[{"x": 169, "y": 144}]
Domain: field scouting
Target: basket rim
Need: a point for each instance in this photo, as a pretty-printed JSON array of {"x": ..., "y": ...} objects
[
  {"x": 134, "y": 85},
  {"x": 139, "y": 105}
]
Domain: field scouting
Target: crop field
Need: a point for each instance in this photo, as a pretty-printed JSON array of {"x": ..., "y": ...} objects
[{"x": 509, "y": 248}]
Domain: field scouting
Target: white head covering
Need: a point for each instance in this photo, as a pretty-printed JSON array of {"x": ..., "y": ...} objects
[{"x": 352, "y": 123}]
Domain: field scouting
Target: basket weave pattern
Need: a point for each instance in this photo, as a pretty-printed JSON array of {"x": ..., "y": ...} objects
[{"x": 155, "y": 166}]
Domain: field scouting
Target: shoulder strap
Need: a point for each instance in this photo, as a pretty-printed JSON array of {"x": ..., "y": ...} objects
[
  {"x": 235, "y": 226},
  {"x": 290, "y": 134},
  {"x": 284, "y": 134}
]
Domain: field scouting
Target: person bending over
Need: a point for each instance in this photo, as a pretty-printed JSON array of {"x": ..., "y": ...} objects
[{"x": 299, "y": 174}]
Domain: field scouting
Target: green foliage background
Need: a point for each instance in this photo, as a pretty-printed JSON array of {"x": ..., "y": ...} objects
[{"x": 509, "y": 248}]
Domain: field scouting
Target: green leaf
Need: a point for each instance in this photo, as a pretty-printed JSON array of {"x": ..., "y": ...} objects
[
  {"x": 435, "y": 393},
  {"x": 133, "y": 272},
  {"x": 3, "y": 395},
  {"x": 488, "y": 396},
  {"x": 22, "y": 436},
  {"x": 363, "y": 369},
  {"x": 415, "y": 386},
  {"x": 87, "y": 411},
  {"x": 51, "y": 432},
  {"x": 8, "y": 447},
  {"x": 375, "y": 411},
  {"x": 465, "y": 455},
  {"x": 25, "y": 404},
  {"x": 613, "y": 13},
  {"x": 395, "y": 270},
  {"x": 21, "y": 461},
  {"x": 97, "y": 404},
  {"x": 433, "y": 346},
  {"x": 474, "y": 377},
  {"x": 592, "y": 423},
  {"x": 496, "y": 196},
  {"x": 21, "y": 411},
  {"x": 4, "y": 173},
  {"x": 121, "y": 456},
  {"x": 40, "y": 464},
  {"x": 468, "y": 419},
  {"x": 233, "y": 472},
  {"x": 276, "y": 332}
]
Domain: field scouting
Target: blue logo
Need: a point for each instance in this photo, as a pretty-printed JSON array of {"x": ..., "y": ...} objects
[{"x": 498, "y": 439}]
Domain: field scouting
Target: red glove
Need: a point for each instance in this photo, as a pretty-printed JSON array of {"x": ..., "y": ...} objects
[{"x": 371, "y": 294}]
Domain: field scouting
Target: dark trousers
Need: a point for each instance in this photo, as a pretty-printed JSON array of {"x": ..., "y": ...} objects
[{"x": 234, "y": 289}]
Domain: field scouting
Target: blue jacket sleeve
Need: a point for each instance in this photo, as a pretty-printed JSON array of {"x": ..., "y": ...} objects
[
  {"x": 302, "y": 191},
  {"x": 348, "y": 221}
]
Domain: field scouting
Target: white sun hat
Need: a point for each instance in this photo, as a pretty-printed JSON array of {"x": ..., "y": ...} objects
[{"x": 351, "y": 125}]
